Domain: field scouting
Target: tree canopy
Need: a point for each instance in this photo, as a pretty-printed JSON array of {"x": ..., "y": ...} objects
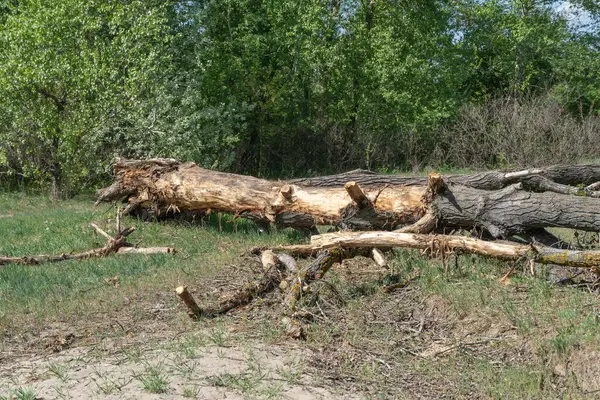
[{"x": 275, "y": 87}]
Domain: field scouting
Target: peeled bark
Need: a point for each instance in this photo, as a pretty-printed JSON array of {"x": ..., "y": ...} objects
[{"x": 165, "y": 186}]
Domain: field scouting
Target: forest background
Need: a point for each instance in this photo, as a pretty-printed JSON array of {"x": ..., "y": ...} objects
[{"x": 282, "y": 88}]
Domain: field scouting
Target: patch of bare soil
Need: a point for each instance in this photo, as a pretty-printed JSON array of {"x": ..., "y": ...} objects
[
  {"x": 584, "y": 366},
  {"x": 166, "y": 369}
]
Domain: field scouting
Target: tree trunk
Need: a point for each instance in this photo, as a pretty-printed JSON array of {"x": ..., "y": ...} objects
[
  {"x": 572, "y": 175},
  {"x": 56, "y": 191},
  {"x": 513, "y": 210},
  {"x": 167, "y": 185}
]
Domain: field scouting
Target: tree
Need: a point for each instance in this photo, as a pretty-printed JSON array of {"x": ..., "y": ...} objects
[{"x": 70, "y": 72}]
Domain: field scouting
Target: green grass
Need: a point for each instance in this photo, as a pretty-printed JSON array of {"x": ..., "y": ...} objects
[
  {"x": 154, "y": 380},
  {"x": 33, "y": 225},
  {"x": 369, "y": 330},
  {"x": 503, "y": 340},
  {"x": 21, "y": 394}
]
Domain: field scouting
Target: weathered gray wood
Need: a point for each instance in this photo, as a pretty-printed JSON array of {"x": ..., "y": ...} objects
[
  {"x": 513, "y": 210},
  {"x": 572, "y": 175}
]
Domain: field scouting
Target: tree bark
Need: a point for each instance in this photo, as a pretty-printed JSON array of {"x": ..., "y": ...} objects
[
  {"x": 513, "y": 210},
  {"x": 165, "y": 185},
  {"x": 571, "y": 175}
]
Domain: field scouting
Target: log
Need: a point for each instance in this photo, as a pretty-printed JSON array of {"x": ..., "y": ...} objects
[
  {"x": 571, "y": 175},
  {"x": 513, "y": 210},
  {"x": 186, "y": 297},
  {"x": 146, "y": 250},
  {"x": 164, "y": 185},
  {"x": 447, "y": 243}
]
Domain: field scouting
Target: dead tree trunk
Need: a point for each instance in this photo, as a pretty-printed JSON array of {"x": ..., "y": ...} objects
[
  {"x": 167, "y": 185},
  {"x": 571, "y": 175},
  {"x": 513, "y": 210}
]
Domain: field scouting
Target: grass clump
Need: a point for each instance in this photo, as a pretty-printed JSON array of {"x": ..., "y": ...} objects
[{"x": 154, "y": 380}]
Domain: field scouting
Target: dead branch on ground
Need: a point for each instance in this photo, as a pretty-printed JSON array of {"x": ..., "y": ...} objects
[{"x": 115, "y": 245}]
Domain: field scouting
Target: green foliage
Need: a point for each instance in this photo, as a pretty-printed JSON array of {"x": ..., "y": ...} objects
[
  {"x": 71, "y": 75},
  {"x": 274, "y": 88}
]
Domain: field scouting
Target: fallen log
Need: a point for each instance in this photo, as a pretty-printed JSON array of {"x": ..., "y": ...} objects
[
  {"x": 166, "y": 185},
  {"x": 513, "y": 210},
  {"x": 447, "y": 244},
  {"x": 146, "y": 250},
  {"x": 566, "y": 175}
]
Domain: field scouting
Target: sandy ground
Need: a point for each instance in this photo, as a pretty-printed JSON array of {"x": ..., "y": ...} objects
[{"x": 109, "y": 371}]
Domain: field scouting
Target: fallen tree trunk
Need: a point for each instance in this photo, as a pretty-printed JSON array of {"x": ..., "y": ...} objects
[
  {"x": 563, "y": 175},
  {"x": 166, "y": 185},
  {"x": 513, "y": 210}
]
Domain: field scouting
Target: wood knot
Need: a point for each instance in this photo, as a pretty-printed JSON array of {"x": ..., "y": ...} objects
[
  {"x": 287, "y": 191},
  {"x": 435, "y": 182}
]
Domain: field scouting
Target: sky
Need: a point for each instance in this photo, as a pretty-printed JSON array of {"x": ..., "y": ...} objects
[{"x": 579, "y": 19}]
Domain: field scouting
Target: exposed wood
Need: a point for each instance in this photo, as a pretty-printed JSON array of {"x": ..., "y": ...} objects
[
  {"x": 426, "y": 224},
  {"x": 269, "y": 259},
  {"x": 186, "y": 297},
  {"x": 379, "y": 258},
  {"x": 101, "y": 232},
  {"x": 448, "y": 243},
  {"x": 163, "y": 185},
  {"x": 116, "y": 245},
  {"x": 357, "y": 195},
  {"x": 146, "y": 250}
]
